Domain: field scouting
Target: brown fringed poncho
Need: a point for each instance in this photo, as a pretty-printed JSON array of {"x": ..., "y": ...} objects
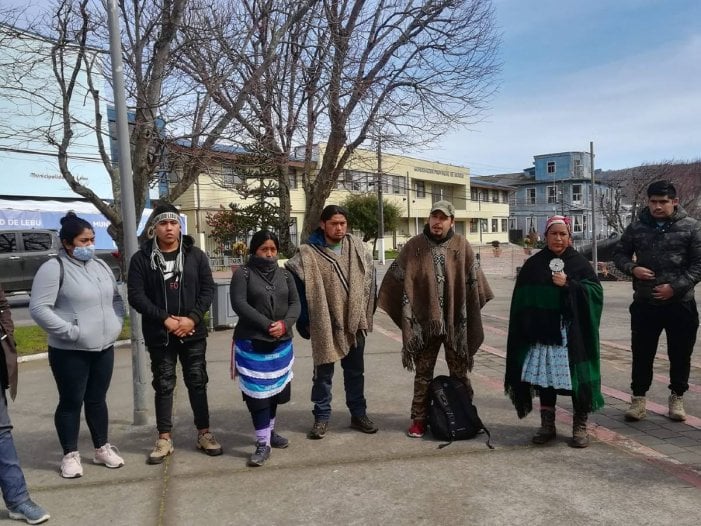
[{"x": 409, "y": 294}]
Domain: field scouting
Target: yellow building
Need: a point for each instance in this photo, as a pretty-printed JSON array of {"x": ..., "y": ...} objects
[{"x": 482, "y": 210}]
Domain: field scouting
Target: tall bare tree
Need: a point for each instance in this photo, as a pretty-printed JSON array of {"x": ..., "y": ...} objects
[
  {"x": 629, "y": 189},
  {"x": 346, "y": 69},
  {"x": 267, "y": 111},
  {"x": 168, "y": 110},
  {"x": 419, "y": 69}
]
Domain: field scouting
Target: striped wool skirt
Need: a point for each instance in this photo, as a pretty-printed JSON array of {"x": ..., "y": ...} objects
[{"x": 264, "y": 368}]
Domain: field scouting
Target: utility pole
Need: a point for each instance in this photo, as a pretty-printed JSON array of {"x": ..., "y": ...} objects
[
  {"x": 380, "y": 204},
  {"x": 594, "y": 255},
  {"x": 139, "y": 371}
]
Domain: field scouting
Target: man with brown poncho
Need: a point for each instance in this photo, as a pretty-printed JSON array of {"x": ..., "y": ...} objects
[
  {"x": 335, "y": 278},
  {"x": 434, "y": 292}
]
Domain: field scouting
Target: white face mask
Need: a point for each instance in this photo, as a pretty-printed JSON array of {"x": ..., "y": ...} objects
[{"x": 85, "y": 253}]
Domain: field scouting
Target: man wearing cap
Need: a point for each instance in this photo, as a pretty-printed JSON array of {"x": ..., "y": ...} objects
[
  {"x": 170, "y": 284},
  {"x": 433, "y": 292},
  {"x": 666, "y": 243}
]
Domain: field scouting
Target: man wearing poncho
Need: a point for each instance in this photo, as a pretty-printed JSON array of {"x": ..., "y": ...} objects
[
  {"x": 553, "y": 343},
  {"x": 335, "y": 277},
  {"x": 434, "y": 292}
]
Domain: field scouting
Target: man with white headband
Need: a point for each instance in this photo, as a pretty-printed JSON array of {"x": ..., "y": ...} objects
[{"x": 171, "y": 286}]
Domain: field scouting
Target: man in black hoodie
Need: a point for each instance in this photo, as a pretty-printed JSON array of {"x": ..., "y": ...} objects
[
  {"x": 667, "y": 266},
  {"x": 171, "y": 286}
]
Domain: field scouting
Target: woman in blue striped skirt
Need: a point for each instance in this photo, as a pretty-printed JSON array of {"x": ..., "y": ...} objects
[{"x": 265, "y": 298}]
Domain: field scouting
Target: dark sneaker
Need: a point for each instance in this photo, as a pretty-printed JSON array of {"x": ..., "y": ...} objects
[
  {"x": 278, "y": 441},
  {"x": 318, "y": 430},
  {"x": 207, "y": 443},
  {"x": 260, "y": 455},
  {"x": 364, "y": 424},
  {"x": 30, "y": 512}
]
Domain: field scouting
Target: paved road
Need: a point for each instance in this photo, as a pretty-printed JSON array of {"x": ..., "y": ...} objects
[{"x": 646, "y": 473}]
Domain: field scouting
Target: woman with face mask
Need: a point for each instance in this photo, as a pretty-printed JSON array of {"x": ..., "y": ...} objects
[{"x": 75, "y": 300}]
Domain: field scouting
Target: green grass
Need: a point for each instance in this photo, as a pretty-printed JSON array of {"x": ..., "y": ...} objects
[{"x": 32, "y": 339}]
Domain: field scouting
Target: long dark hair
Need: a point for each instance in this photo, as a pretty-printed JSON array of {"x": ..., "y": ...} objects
[
  {"x": 261, "y": 237},
  {"x": 331, "y": 210},
  {"x": 72, "y": 226}
]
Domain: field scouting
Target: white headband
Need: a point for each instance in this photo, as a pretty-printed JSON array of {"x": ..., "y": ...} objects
[{"x": 166, "y": 216}]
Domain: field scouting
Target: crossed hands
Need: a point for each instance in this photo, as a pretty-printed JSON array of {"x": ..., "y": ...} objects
[
  {"x": 277, "y": 329},
  {"x": 180, "y": 326}
]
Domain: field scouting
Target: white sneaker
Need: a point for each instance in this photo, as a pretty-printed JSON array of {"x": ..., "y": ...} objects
[
  {"x": 637, "y": 410},
  {"x": 676, "y": 408},
  {"x": 70, "y": 466},
  {"x": 108, "y": 456}
]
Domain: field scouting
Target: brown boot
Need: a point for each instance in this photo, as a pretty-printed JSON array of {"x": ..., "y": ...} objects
[
  {"x": 580, "y": 438},
  {"x": 547, "y": 431}
]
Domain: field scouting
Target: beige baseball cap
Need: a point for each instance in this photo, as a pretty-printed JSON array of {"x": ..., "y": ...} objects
[{"x": 444, "y": 206}]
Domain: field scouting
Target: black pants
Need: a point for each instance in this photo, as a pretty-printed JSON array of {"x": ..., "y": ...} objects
[
  {"x": 680, "y": 321},
  {"x": 82, "y": 378},
  {"x": 194, "y": 365},
  {"x": 548, "y": 398}
]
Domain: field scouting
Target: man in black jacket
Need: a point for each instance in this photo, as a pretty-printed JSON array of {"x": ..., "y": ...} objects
[
  {"x": 170, "y": 284},
  {"x": 667, "y": 266}
]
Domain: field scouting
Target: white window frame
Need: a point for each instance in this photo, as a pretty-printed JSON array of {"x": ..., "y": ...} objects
[
  {"x": 551, "y": 167},
  {"x": 530, "y": 196},
  {"x": 577, "y": 195},
  {"x": 577, "y": 224},
  {"x": 551, "y": 194},
  {"x": 420, "y": 187}
]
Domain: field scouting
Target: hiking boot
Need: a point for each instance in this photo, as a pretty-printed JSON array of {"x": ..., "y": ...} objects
[
  {"x": 278, "y": 441},
  {"x": 636, "y": 411},
  {"x": 417, "y": 429},
  {"x": 163, "y": 448},
  {"x": 364, "y": 424},
  {"x": 70, "y": 466},
  {"x": 108, "y": 455},
  {"x": 30, "y": 512},
  {"x": 580, "y": 438},
  {"x": 318, "y": 430},
  {"x": 547, "y": 431},
  {"x": 260, "y": 455},
  {"x": 676, "y": 408},
  {"x": 207, "y": 443}
]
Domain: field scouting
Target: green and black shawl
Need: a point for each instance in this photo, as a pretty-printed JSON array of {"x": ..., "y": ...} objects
[{"x": 536, "y": 307}]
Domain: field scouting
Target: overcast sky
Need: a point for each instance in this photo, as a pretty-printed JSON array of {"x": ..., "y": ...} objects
[{"x": 625, "y": 74}]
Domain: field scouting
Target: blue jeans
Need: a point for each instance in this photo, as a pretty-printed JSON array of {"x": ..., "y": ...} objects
[
  {"x": 82, "y": 378},
  {"x": 12, "y": 483},
  {"x": 353, "y": 381}
]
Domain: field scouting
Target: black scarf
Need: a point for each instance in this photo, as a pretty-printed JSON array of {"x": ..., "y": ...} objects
[{"x": 266, "y": 267}]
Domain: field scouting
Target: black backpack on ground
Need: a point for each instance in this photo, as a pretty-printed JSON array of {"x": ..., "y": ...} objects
[{"x": 451, "y": 414}]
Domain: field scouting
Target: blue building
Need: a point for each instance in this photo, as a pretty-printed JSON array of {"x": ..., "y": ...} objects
[{"x": 557, "y": 183}]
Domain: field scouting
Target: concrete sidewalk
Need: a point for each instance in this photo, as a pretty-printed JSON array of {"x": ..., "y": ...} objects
[{"x": 643, "y": 473}]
